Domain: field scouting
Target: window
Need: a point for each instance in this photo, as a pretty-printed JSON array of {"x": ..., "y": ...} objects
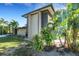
[{"x": 44, "y": 19}]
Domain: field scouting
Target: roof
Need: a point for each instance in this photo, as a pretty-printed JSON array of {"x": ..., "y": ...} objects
[
  {"x": 40, "y": 9},
  {"x": 21, "y": 28}
]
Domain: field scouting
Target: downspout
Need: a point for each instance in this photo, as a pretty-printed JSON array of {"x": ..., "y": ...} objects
[{"x": 38, "y": 22}]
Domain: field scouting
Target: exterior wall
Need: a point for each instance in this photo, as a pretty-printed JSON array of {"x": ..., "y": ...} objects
[
  {"x": 21, "y": 32},
  {"x": 29, "y": 26},
  {"x": 34, "y": 24},
  {"x": 39, "y": 21},
  {"x": 49, "y": 18}
]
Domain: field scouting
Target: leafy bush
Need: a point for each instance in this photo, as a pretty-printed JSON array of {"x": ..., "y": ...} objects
[
  {"x": 47, "y": 36},
  {"x": 37, "y": 43}
]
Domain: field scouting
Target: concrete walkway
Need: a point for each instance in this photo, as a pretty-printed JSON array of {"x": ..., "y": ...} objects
[{"x": 54, "y": 53}]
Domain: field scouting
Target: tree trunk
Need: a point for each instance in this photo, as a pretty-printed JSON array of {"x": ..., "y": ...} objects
[
  {"x": 74, "y": 39},
  {"x": 60, "y": 41},
  {"x": 68, "y": 39}
]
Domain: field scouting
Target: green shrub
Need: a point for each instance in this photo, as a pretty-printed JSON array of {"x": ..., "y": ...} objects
[
  {"x": 37, "y": 43},
  {"x": 46, "y": 36}
]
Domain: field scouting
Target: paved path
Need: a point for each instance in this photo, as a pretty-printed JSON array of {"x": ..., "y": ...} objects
[
  {"x": 54, "y": 53},
  {"x": 43, "y": 53},
  {"x": 4, "y": 35}
]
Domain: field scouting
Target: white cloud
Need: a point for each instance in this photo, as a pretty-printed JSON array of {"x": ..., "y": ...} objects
[
  {"x": 8, "y": 4},
  {"x": 58, "y": 6},
  {"x": 39, "y": 5},
  {"x": 28, "y": 4}
]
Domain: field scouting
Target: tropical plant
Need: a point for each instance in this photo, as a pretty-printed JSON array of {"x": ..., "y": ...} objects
[
  {"x": 73, "y": 22},
  {"x": 58, "y": 26},
  {"x": 3, "y": 24},
  {"x": 66, "y": 23},
  {"x": 13, "y": 25},
  {"x": 46, "y": 36},
  {"x": 37, "y": 43},
  {"x": 6, "y": 27}
]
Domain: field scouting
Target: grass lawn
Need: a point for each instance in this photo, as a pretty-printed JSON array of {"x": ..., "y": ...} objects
[{"x": 9, "y": 42}]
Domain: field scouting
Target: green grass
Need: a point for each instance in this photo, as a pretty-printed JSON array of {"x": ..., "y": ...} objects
[{"x": 9, "y": 42}]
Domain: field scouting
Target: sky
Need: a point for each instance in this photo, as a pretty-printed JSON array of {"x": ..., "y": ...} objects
[{"x": 10, "y": 11}]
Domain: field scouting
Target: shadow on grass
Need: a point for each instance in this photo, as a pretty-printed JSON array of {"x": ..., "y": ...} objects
[
  {"x": 9, "y": 42},
  {"x": 11, "y": 39}
]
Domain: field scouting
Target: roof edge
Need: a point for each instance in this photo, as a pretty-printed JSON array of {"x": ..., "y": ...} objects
[{"x": 40, "y": 9}]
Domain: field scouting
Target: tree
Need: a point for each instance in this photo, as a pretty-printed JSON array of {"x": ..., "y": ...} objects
[
  {"x": 3, "y": 24},
  {"x": 73, "y": 21},
  {"x": 58, "y": 25},
  {"x": 66, "y": 22},
  {"x": 13, "y": 24}
]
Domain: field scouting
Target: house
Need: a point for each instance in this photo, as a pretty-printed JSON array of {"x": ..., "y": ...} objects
[
  {"x": 38, "y": 19},
  {"x": 21, "y": 31}
]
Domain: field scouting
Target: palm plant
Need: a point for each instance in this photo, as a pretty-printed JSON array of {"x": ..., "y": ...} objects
[
  {"x": 58, "y": 25},
  {"x": 37, "y": 43},
  {"x": 67, "y": 22},
  {"x": 13, "y": 24},
  {"x": 3, "y": 24},
  {"x": 46, "y": 36},
  {"x": 73, "y": 21}
]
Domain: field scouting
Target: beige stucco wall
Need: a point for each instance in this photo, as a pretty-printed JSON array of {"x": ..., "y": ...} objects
[
  {"x": 29, "y": 27},
  {"x": 49, "y": 18},
  {"x": 39, "y": 17},
  {"x": 34, "y": 24},
  {"x": 21, "y": 32}
]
